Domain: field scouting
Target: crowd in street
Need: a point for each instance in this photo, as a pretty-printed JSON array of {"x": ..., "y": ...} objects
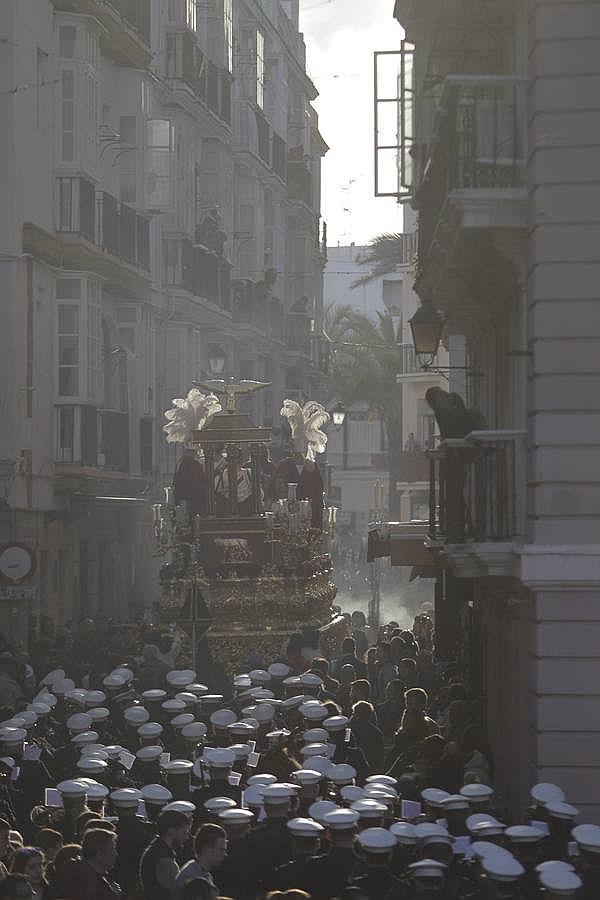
[{"x": 363, "y": 777}]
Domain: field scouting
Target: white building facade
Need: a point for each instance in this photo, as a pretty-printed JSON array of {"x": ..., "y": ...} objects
[{"x": 160, "y": 177}]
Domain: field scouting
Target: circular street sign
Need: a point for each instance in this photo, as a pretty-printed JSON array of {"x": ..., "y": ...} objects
[{"x": 17, "y": 563}]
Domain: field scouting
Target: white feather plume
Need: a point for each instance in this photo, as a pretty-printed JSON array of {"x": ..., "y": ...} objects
[
  {"x": 306, "y": 423},
  {"x": 189, "y": 414}
]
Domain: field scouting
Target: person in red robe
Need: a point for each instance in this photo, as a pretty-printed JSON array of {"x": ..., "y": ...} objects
[
  {"x": 189, "y": 483},
  {"x": 294, "y": 469}
]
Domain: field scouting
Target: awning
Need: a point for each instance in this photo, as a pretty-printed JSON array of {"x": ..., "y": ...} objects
[{"x": 403, "y": 542}]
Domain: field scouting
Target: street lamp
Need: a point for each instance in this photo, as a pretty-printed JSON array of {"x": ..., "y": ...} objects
[
  {"x": 216, "y": 359},
  {"x": 426, "y": 326},
  {"x": 338, "y": 415}
]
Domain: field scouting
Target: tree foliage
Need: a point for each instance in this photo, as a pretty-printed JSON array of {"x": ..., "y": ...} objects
[{"x": 383, "y": 256}]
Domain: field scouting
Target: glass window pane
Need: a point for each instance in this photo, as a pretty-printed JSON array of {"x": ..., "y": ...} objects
[
  {"x": 68, "y": 381},
  {"x": 68, "y": 319},
  {"x": 68, "y": 350},
  {"x": 68, "y": 289},
  {"x": 66, "y": 41}
]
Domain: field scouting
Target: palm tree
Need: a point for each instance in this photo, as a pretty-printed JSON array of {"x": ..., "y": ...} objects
[
  {"x": 364, "y": 367},
  {"x": 385, "y": 253}
]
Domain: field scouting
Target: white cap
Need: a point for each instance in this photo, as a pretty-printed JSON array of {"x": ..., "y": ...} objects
[
  {"x": 42, "y": 709},
  {"x": 222, "y": 718},
  {"x": 186, "y": 697},
  {"x": 196, "y": 688},
  {"x": 382, "y": 779},
  {"x": 351, "y": 793},
  {"x": 263, "y": 779},
  {"x": 219, "y": 757},
  {"x": 184, "y": 806},
  {"x": 92, "y": 764},
  {"x": 195, "y": 731},
  {"x": 560, "y": 880},
  {"x": 311, "y": 680},
  {"x": 315, "y": 736},
  {"x": 305, "y": 828},
  {"x": 85, "y": 737},
  {"x": 136, "y": 715},
  {"x": 150, "y": 753},
  {"x": 99, "y": 714},
  {"x": 52, "y": 677},
  {"x": 172, "y": 707},
  {"x": 320, "y": 764},
  {"x": 454, "y": 802},
  {"x": 176, "y": 768},
  {"x": 278, "y": 794},
  {"x": 314, "y": 750},
  {"x": 369, "y": 809},
  {"x": 180, "y": 721},
  {"x": 76, "y": 696},
  {"x": 341, "y": 774},
  {"x": 62, "y": 686},
  {"x": 404, "y": 832},
  {"x": 236, "y": 817},
  {"x": 587, "y": 837},
  {"x": 335, "y": 724},
  {"x": 96, "y": 750},
  {"x": 242, "y": 681},
  {"x": 560, "y": 810},
  {"x": 292, "y": 681},
  {"x": 259, "y": 676},
  {"x": 150, "y": 730},
  {"x": 253, "y": 796},
  {"x": 156, "y": 794},
  {"x": 427, "y": 868},
  {"x": 500, "y": 867},
  {"x": 477, "y": 793},
  {"x": 314, "y": 712},
  {"x": 180, "y": 678},
  {"x": 29, "y": 717},
  {"x": 338, "y": 819},
  {"x": 320, "y": 808},
  {"x": 154, "y": 695},
  {"x": 264, "y": 712},
  {"x": 434, "y": 796},
  {"x": 123, "y": 672},
  {"x": 114, "y": 750},
  {"x": 292, "y": 702},
  {"x": 12, "y": 737},
  {"x": 307, "y": 776},
  {"x": 242, "y": 729},
  {"x": 425, "y": 830},
  {"x": 481, "y": 849},
  {"x": 95, "y": 698},
  {"x": 218, "y": 804},
  {"x": 126, "y": 798},
  {"x": 72, "y": 788},
  {"x": 79, "y": 722},
  {"x": 278, "y": 670},
  {"x": 241, "y": 751},
  {"x": 483, "y": 830},
  {"x": 523, "y": 834},
  {"x": 97, "y": 791},
  {"x": 376, "y": 840},
  {"x": 113, "y": 682},
  {"x": 543, "y": 792}
]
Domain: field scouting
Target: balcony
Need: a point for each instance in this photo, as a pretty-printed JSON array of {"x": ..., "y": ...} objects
[
  {"x": 476, "y": 508},
  {"x": 198, "y": 270},
  {"x": 299, "y": 183},
  {"x": 126, "y": 27},
  {"x": 474, "y": 177}
]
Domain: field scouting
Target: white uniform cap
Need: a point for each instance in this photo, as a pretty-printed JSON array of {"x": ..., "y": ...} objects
[
  {"x": 481, "y": 849},
  {"x": 587, "y": 837},
  {"x": 180, "y": 721},
  {"x": 236, "y": 817},
  {"x": 29, "y": 717},
  {"x": 154, "y": 695},
  {"x": 195, "y": 731},
  {"x": 477, "y": 793},
  {"x": 264, "y": 779},
  {"x": 97, "y": 791},
  {"x": 222, "y": 718},
  {"x": 52, "y": 677},
  {"x": 291, "y": 680},
  {"x": 218, "y": 804},
  {"x": 259, "y": 676},
  {"x": 369, "y": 809},
  {"x": 123, "y": 672},
  {"x": 315, "y": 736},
  {"x": 208, "y": 700},
  {"x": 437, "y": 839},
  {"x": 376, "y": 840},
  {"x": 259, "y": 694},
  {"x": 253, "y": 796},
  {"x": 42, "y": 709},
  {"x": 335, "y": 724},
  {"x": 320, "y": 808},
  {"x": 187, "y": 698},
  {"x": 487, "y": 829},
  {"x": 248, "y": 711},
  {"x": 278, "y": 735},
  {"x": 292, "y": 702},
  {"x": 523, "y": 834},
  {"x": 306, "y": 776},
  {"x": 382, "y": 779},
  {"x": 136, "y": 715},
  {"x": 12, "y": 737},
  {"x": 72, "y": 788},
  {"x": 94, "y": 751},
  {"x": 314, "y": 712},
  {"x": 85, "y": 737},
  {"x": 310, "y": 679},
  {"x": 150, "y": 753},
  {"x": 427, "y": 868},
  {"x": 381, "y": 788},
  {"x": 241, "y": 729},
  {"x": 543, "y": 792},
  {"x": 454, "y": 802},
  {"x": 176, "y": 768},
  {"x": 351, "y": 793},
  {"x": 95, "y": 698},
  {"x": 184, "y": 806},
  {"x": 79, "y": 722},
  {"x": 219, "y": 757},
  {"x": 8, "y": 761},
  {"x": 341, "y": 774},
  {"x": 264, "y": 712},
  {"x": 429, "y": 829},
  {"x": 47, "y": 698},
  {"x": 314, "y": 750},
  {"x": 172, "y": 707},
  {"x": 113, "y": 682},
  {"x": 241, "y": 751},
  {"x": 76, "y": 696},
  {"x": 499, "y": 867},
  {"x": 338, "y": 819},
  {"x": 15, "y": 722},
  {"x": 181, "y": 677},
  {"x": 278, "y": 794},
  {"x": 305, "y": 828},
  {"x": 559, "y": 880},
  {"x": 551, "y": 863},
  {"x": 114, "y": 750},
  {"x": 99, "y": 714},
  {"x": 62, "y": 686},
  {"x": 242, "y": 681},
  {"x": 383, "y": 796},
  {"x": 404, "y": 832},
  {"x": 433, "y": 796},
  {"x": 278, "y": 670},
  {"x": 150, "y": 729},
  {"x": 560, "y": 810},
  {"x": 196, "y": 689},
  {"x": 318, "y": 763},
  {"x": 126, "y": 798},
  {"x": 92, "y": 764},
  {"x": 156, "y": 794}
]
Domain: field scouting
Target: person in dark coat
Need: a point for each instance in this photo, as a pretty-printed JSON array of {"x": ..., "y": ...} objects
[
  {"x": 327, "y": 874},
  {"x": 306, "y": 841},
  {"x": 306, "y": 475},
  {"x": 270, "y": 844},
  {"x": 349, "y": 658},
  {"x": 159, "y": 868},
  {"x": 369, "y": 738},
  {"x": 189, "y": 484}
]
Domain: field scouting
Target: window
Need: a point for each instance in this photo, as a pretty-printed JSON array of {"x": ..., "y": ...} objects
[
  {"x": 94, "y": 328},
  {"x": 160, "y": 148},
  {"x": 67, "y": 87},
  {"x": 65, "y": 451},
  {"x": 260, "y": 69},
  {"x": 66, "y": 41},
  {"x": 68, "y": 350},
  {"x": 127, "y": 159},
  {"x": 228, "y": 33}
]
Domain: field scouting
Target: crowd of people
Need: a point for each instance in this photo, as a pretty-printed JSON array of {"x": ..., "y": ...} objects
[{"x": 363, "y": 777}]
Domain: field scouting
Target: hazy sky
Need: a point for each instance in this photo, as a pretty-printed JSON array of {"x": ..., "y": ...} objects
[{"x": 341, "y": 36}]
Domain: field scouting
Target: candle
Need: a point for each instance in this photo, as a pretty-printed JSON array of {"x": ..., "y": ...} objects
[
  {"x": 292, "y": 486},
  {"x": 269, "y": 521},
  {"x": 169, "y": 496},
  {"x": 156, "y": 512}
]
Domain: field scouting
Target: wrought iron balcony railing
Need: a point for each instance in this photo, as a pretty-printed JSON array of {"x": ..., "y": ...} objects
[{"x": 476, "y": 488}]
